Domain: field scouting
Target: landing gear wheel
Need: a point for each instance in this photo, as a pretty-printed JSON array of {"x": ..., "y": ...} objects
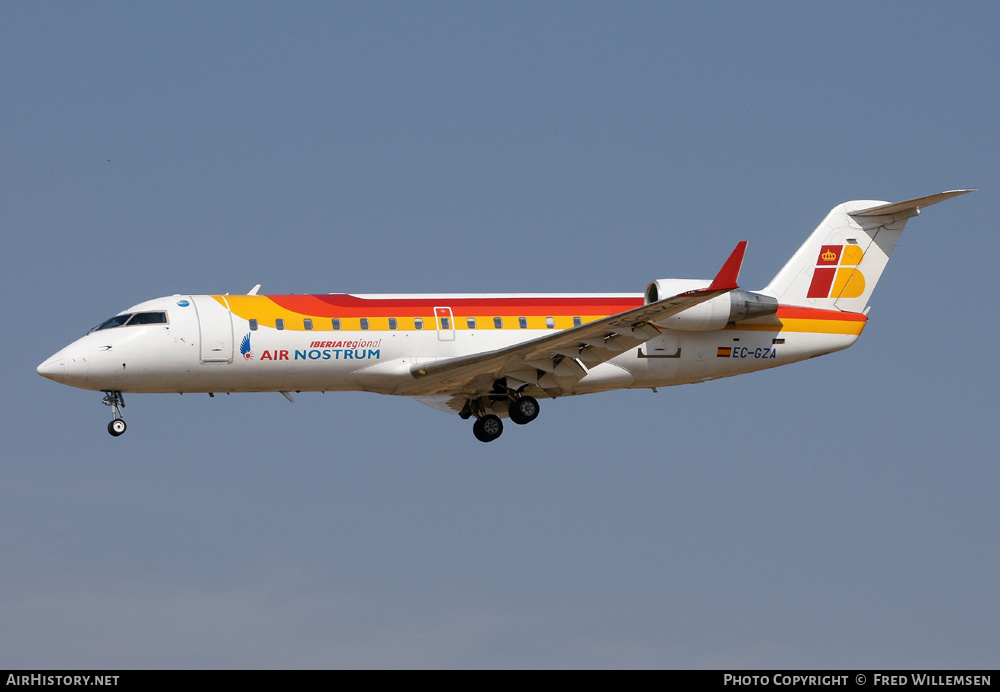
[
  {"x": 487, "y": 428},
  {"x": 523, "y": 409},
  {"x": 117, "y": 402}
]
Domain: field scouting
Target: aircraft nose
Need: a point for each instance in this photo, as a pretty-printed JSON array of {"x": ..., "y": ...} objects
[
  {"x": 68, "y": 366},
  {"x": 54, "y": 368}
]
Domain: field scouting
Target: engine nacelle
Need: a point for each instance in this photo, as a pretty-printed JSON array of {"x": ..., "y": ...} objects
[{"x": 735, "y": 306}]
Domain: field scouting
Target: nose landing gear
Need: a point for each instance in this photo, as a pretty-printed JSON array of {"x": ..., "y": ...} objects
[{"x": 117, "y": 402}]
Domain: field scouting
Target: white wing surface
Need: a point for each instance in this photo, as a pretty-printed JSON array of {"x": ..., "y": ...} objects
[{"x": 557, "y": 361}]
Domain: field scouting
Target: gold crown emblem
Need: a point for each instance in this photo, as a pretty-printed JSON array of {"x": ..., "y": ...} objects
[{"x": 829, "y": 256}]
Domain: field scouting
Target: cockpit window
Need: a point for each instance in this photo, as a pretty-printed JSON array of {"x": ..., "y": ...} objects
[
  {"x": 116, "y": 321},
  {"x": 132, "y": 319},
  {"x": 148, "y": 318}
]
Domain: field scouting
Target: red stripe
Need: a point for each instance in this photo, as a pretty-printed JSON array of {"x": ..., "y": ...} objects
[
  {"x": 343, "y": 305},
  {"x": 792, "y": 312}
]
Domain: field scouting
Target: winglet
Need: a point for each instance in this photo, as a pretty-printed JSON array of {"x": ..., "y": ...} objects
[{"x": 726, "y": 279}]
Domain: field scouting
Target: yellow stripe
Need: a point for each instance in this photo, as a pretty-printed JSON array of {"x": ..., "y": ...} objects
[
  {"x": 266, "y": 312},
  {"x": 853, "y": 327}
]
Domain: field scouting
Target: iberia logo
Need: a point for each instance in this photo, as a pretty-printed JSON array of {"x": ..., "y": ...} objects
[
  {"x": 836, "y": 274},
  {"x": 245, "y": 348}
]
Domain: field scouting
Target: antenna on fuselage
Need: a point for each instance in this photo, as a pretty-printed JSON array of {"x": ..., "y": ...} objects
[{"x": 253, "y": 291}]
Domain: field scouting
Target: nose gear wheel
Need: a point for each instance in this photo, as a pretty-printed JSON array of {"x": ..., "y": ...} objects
[{"x": 117, "y": 402}]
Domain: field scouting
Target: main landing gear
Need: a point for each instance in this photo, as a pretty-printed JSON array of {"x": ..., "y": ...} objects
[
  {"x": 488, "y": 426},
  {"x": 523, "y": 410},
  {"x": 117, "y": 402}
]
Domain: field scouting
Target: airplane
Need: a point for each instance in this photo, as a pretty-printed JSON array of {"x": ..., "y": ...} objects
[{"x": 490, "y": 357}]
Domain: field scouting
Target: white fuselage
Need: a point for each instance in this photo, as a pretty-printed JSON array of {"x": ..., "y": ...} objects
[{"x": 198, "y": 346}]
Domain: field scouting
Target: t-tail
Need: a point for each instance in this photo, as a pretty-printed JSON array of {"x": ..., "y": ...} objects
[{"x": 838, "y": 266}]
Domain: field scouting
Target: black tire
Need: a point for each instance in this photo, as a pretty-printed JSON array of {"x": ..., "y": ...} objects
[
  {"x": 523, "y": 410},
  {"x": 116, "y": 427},
  {"x": 487, "y": 428}
]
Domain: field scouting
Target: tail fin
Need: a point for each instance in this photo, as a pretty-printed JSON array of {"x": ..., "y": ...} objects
[{"x": 840, "y": 263}]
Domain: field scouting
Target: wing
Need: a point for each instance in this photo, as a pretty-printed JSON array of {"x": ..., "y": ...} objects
[{"x": 556, "y": 361}]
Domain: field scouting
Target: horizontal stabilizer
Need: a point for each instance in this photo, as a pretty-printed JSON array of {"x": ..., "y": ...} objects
[{"x": 914, "y": 205}]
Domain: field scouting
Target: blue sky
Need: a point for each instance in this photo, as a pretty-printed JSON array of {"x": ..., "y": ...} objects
[{"x": 836, "y": 513}]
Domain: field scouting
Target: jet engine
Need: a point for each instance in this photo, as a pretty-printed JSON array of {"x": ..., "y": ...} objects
[{"x": 735, "y": 306}]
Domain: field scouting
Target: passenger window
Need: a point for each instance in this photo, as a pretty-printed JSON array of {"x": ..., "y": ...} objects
[
  {"x": 522, "y": 322},
  {"x": 279, "y": 323},
  {"x": 253, "y": 325},
  {"x": 364, "y": 323},
  {"x": 445, "y": 323},
  {"x": 418, "y": 323},
  {"x": 471, "y": 322},
  {"x": 392, "y": 323},
  {"x": 336, "y": 323},
  {"x": 550, "y": 322},
  {"x": 308, "y": 324},
  {"x": 498, "y": 323},
  {"x": 577, "y": 322}
]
